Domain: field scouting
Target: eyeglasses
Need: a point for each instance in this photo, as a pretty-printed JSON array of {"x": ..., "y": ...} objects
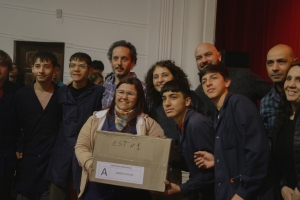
[
  {"x": 81, "y": 66},
  {"x": 129, "y": 94}
]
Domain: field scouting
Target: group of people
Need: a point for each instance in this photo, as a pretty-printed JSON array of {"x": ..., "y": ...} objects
[{"x": 231, "y": 147}]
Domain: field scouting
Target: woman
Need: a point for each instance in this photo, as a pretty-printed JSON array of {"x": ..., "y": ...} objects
[
  {"x": 127, "y": 108},
  {"x": 286, "y": 141}
]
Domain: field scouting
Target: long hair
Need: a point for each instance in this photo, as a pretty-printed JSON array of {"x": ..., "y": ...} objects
[
  {"x": 177, "y": 72},
  {"x": 140, "y": 106},
  {"x": 285, "y": 110}
]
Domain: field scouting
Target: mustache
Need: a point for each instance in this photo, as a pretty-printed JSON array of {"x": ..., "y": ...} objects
[{"x": 119, "y": 67}]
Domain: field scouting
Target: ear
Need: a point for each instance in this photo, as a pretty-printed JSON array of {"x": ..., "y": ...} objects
[
  {"x": 227, "y": 82},
  {"x": 296, "y": 59},
  {"x": 188, "y": 101},
  {"x": 219, "y": 56},
  {"x": 91, "y": 70}
]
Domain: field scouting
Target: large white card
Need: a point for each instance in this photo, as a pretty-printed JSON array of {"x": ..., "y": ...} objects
[{"x": 119, "y": 172}]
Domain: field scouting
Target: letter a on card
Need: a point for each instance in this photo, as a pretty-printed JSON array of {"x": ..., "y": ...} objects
[{"x": 104, "y": 172}]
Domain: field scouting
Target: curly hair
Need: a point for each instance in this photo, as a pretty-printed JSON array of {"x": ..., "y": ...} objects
[
  {"x": 123, "y": 43},
  {"x": 177, "y": 72}
]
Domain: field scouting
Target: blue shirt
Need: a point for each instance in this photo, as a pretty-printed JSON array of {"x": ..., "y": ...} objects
[{"x": 269, "y": 109}]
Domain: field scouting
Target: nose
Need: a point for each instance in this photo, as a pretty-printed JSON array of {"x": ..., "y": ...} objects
[
  {"x": 119, "y": 61},
  {"x": 208, "y": 82},
  {"x": 160, "y": 79},
  {"x": 275, "y": 67},
  {"x": 42, "y": 69},
  {"x": 167, "y": 102},
  {"x": 291, "y": 83}
]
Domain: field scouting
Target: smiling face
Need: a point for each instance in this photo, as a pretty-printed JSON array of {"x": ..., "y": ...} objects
[
  {"x": 207, "y": 54},
  {"x": 126, "y": 97},
  {"x": 215, "y": 87},
  {"x": 43, "y": 70},
  {"x": 79, "y": 71},
  {"x": 121, "y": 62},
  {"x": 292, "y": 85},
  {"x": 161, "y": 75}
]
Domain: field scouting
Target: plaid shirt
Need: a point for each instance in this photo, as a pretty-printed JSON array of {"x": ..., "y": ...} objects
[
  {"x": 110, "y": 87},
  {"x": 269, "y": 109}
]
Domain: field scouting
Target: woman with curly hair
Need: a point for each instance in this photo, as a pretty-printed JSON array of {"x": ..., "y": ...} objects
[{"x": 159, "y": 74}]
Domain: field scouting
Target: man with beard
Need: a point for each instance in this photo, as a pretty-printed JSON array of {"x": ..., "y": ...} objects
[
  {"x": 122, "y": 56},
  {"x": 243, "y": 81}
]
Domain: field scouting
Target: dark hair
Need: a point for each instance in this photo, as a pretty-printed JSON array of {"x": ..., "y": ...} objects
[
  {"x": 98, "y": 64},
  {"x": 176, "y": 86},
  {"x": 140, "y": 106},
  {"x": 82, "y": 57},
  {"x": 20, "y": 76},
  {"x": 214, "y": 69},
  {"x": 94, "y": 76},
  {"x": 5, "y": 58},
  {"x": 123, "y": 43},
  {"x": 45, "y": 56},
  {"x": 285, "y": 107},
  {"x": 177, "y": 72}
]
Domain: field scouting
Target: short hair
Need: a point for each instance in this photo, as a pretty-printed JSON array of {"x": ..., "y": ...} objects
[
  {"x": 45, "y": 56},
  {"x": 177, "y": 72},
  {"x": 82, "y": 57},
  {"x": 123, "y": 43},
  {"x": 214, "y": 69},
  {"x": 98, "y": 64},
  {"x": 176, "y": 86},
  {"x": 140, "y": 106},
  {"x": 94, "y": 76},
  {"x": 6, "y": 60}
]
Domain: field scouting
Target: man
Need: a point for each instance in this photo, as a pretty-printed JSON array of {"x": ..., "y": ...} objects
[
  {"x": 39, "y": 117},
  {"x": 279, "y": 61},
  {"x": 241, "y": 147},
  {"x": 122, "y": 56},
  {"x": 78, "y": 101},
  {"x": 196, "y": 133},
  {"x": 8, "y": 127},
  {"x": 243, "y": 80},
  {"x": 98, "y": 66}
]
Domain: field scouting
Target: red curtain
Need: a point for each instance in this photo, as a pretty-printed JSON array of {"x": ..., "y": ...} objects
[{"x": 255, "y": 26}]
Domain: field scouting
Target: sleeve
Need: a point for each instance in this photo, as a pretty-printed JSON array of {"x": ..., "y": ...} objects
[
  {"x": 201, "y": 137},
  {"x": 256, "y": 148},
  {"x": 154, "y": 128},
  {"x": 83, "y": 149},
  {"x": 259, "y": 87}
]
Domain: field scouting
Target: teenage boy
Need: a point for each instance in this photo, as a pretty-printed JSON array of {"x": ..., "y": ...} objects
[
  {"x": 78, "y": 101},
  {"x": 196, "y": 133},
  {"x": 39, "y": 117},
  {"x": 241, "y": 146},
  {"x": 8, "y": 126}
]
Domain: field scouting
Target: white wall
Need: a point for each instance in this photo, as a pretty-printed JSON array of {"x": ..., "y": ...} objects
[{"x": 159, "y": 29}]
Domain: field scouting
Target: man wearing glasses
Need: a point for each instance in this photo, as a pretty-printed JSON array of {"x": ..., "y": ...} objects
[
  {"x": 78, "y": 101},
  {"x": 122, "y": 56}
]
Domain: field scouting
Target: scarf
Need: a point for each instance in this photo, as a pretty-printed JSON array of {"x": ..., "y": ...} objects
[{"x": 121, "y": 118}]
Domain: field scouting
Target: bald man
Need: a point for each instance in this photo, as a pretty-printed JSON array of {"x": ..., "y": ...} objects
[
  {"x": 279, "y": 61},
  {"x": 243, "y": 81}
]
